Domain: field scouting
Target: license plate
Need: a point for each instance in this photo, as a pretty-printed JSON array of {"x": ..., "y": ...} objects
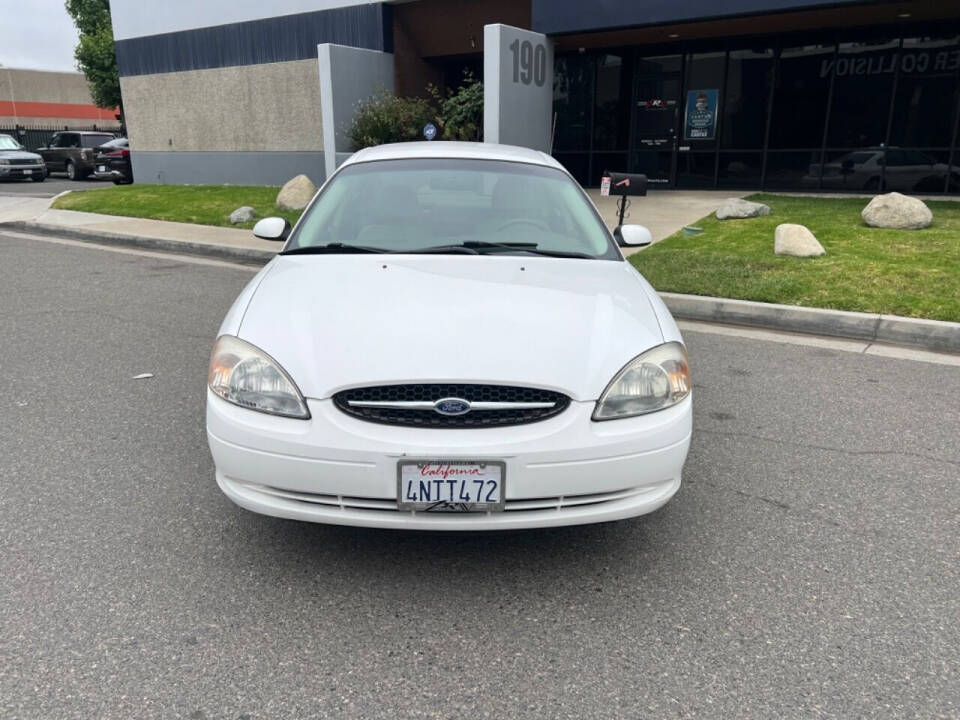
[
  {"x": 28, "y": 172},
  {"x": 102, "y": 168},
  {"x": 450, "y": 486}
]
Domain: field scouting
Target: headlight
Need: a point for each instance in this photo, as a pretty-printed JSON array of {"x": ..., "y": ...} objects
[
  {"x": 657, "y": 379},
  {"x": 244, "y": 375},
  {"x": 4, "y": 162}
]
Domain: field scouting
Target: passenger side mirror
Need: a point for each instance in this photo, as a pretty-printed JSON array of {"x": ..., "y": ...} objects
[
  {"x": 272, "y": 228},
  {"x": 633, "y": 236}
]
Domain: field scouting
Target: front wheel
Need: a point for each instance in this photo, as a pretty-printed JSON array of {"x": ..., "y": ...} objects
[
  {"x": 40, "y": 178},
  {"x": 71, "y": 171}
]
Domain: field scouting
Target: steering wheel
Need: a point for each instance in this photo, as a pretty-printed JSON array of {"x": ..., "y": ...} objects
[{"x": 523, "y": 221}]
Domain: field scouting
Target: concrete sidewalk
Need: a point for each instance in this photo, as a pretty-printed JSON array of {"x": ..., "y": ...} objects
[
  {"x": 35, "y": 214},
  {"x": 664, "y": 212}
]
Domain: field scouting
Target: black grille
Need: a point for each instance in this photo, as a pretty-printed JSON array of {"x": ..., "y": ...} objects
[{"x": 435, "y": 391}]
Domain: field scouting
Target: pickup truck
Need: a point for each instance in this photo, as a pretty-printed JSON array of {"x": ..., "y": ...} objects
[{"x": 72, "y": 152}]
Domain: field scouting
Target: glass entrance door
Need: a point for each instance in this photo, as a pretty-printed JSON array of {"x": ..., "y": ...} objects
[{"x": 656, "y": 114}]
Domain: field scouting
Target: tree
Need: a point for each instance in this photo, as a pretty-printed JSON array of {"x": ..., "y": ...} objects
[{"x": 94, "y": 54}]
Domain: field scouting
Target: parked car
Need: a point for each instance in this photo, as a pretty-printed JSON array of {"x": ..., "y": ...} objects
[
  {"x": 18, "y": 164},
  {"x": 450, "y": 339},
  {"x": 113, "y": 162},
  {"x": 72, "y": 152},
  {"x": 899, "y": 169}
]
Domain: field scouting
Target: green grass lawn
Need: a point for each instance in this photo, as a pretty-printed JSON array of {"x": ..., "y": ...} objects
[
  {"x": 201, "y": 204},
  {"x": 915, "y": 273}
]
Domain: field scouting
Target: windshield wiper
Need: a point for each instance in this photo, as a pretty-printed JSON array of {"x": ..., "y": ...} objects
[
  {"x": 331, "y": 248},
  {"x": 459, "y": 249},
  {"x": 524, "y": 247},
  {"x": 470, "y": 247}
]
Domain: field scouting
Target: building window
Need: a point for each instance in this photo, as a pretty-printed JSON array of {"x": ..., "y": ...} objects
[
  {"x": 801, "y": 96},
  {"x": 924, "y": 110},
  {"x": 863, "y": 83},
  {"x": 745, "y": 106},
  {"x": 860, "y": 115},
  {"x": 573, "y": 102},
  {"x": 740, "y": 169},
  {"x": 611, "y": 113}
]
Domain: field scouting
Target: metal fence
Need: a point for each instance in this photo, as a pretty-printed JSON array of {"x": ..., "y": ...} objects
[{"x": 38, "y": 136}]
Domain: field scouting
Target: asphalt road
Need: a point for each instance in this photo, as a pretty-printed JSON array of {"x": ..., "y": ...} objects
[
  {"x": 807, "y": 568},
  {"x": 53, "y": 185}
]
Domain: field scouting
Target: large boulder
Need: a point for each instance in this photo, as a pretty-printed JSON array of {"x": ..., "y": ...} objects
[
  {"x": 296, "y": 194},
  {"x": 894, "y": 210},
  {"x": 740, "y": 208},
  {"x": 796, "y": 240},
  {"x": 242, "y": 215}
]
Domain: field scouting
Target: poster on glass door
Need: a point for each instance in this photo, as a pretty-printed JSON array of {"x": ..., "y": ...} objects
[{"x": 700, "y": 120}]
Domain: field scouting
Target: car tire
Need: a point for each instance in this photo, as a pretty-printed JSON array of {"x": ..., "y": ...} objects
[
  {"x": 40, "y": 178},
  {"x": 72, "y": 171}
]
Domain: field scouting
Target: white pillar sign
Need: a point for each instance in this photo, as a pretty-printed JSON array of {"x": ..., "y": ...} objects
[{"x": 518, "y": 87}]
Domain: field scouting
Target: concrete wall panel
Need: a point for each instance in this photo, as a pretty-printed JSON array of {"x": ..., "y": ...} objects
[
  {"x": 246, "y": 108},
  {"x": 518, "y": 87},
  {"x": 347, "y": 76}
]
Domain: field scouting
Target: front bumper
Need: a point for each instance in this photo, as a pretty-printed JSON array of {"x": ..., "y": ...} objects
[
  {"x": 22, "y": 171},
  {"x": 566, "y": 470},
  {"x": 109, "y": 175}
]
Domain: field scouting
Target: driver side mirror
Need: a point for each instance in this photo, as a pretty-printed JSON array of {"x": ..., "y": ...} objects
[
  {"x": 272, "y": 228},
  {"x": 632, "y": 236}
]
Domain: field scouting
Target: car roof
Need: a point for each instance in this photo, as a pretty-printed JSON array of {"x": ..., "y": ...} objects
[{"x": 455, "y": 150}]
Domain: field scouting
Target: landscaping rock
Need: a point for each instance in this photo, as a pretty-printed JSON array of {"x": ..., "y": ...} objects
[
  {"x": 796, "y": 240},
  {"x": 894, "y": 210},
  {"x": 296, "y": 194},
  {"x": 739, "y": 208},
  {"x": 242, "y": 215}
]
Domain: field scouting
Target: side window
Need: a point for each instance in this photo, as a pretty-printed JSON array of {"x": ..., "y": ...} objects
[
  {"x": 92, "y": 141},
  {"x": 55, "y": 140},
  {"x": 896, "y": 158},
  {"x": 918, "y": 158}
]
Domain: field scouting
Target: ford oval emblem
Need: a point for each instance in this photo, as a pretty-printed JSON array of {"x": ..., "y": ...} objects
[{"x": 452, "y": 406}]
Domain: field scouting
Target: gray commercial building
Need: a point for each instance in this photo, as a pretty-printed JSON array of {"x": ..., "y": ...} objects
[{"x": 845, "y": 95}]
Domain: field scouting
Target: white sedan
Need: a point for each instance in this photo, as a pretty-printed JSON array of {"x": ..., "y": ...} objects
[{"x": 450, "y": 339}]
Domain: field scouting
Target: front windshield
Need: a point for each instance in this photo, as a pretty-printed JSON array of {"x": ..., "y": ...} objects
[
  {"x": 8, "y": 143},
  {"x": 416, "y": 205}
]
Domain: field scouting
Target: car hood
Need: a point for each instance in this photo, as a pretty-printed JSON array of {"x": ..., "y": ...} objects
[
  {"x": 19, "y": 155},
  {"x": 339, "y": 321}
]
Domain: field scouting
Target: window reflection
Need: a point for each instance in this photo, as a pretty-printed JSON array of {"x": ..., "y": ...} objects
[
  {"x": 861, "y": 94},
  {"x": 800, "y": 100},
  {"x": 745, "y": 105},
  {"x": 859, "y": 116}
]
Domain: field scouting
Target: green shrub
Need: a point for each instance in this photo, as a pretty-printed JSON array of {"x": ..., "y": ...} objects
[
  {"x": 461, "y": 112},
  {"x": 386, "y": 118}
]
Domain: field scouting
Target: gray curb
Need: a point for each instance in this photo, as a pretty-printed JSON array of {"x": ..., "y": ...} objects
[
  {"x": 869, "y": 327},
  {"x": 247, "y": 256}
]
